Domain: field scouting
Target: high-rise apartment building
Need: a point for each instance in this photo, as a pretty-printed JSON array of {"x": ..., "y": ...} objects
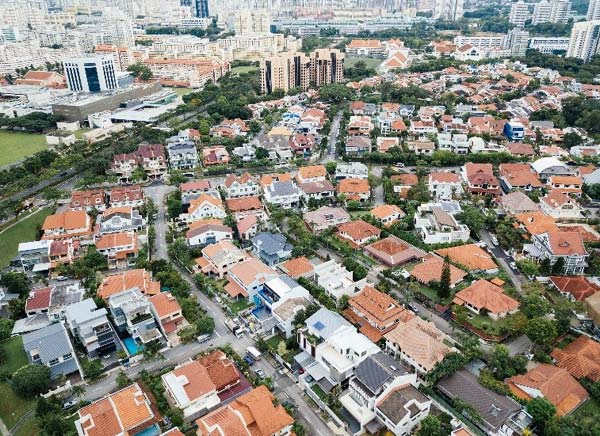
[
  {"x": 285, "y": 71},
  {"x": 584, "y": 42},
  {"x": 519, "y": 13},
  {"x": 593, "y": 12},
  {"x": 541, "y": 12},
  {"x": 326, "y": 66},
  {"x": 555, "y": 11},
  {"x": 449, "y": 10},
  {"x": 199, "y": 7},
  {"x": 517, "y": 41},
  {"x": 90, "y": 74},
  {"x": 252, "y": 22}
]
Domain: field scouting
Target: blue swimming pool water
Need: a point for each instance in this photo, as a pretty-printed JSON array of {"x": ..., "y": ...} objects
[
  {"x": 131, "y": 345},
  {"x": 150, "y": 431}
]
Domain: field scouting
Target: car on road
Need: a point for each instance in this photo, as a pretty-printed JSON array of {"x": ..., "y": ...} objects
[
  {"x": 513, "y": 265},
  {"x": 494, "y": 240},
  {"x": 399, "y": 165},
  {"x": 249, "y": 360},
  {"x": 413, "y": 308},
  {"x": 69, "y": 404},
  {"x": 260, "y": 373}
]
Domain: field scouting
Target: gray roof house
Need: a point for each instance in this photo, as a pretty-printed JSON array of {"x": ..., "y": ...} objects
[
  {"x": 183, "y": 155},
  {"x": 272, "y": 248},
  {"x": 51, "y": 346},
  {"x": 284, "y": 194},
  {"x": 91, "y": 327}
]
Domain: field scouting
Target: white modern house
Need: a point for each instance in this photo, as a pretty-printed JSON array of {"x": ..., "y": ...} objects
[
  {"x": 436, "y": 224},
  {"x": 337, "y": 280}
]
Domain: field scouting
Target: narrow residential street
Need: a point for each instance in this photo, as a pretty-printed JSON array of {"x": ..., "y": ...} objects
[
  {"x": 158, "y": 193},
  {"x": 503, "y": 259},
  {"x": 334, "y": 132}
]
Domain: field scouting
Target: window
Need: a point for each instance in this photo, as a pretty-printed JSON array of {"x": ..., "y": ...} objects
[
  {"x": 67, "y": 356},
  {"x": 53, "y": 362}
]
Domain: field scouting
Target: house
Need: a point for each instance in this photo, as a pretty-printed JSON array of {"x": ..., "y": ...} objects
[
  {"x": 246, "y": 278},
  {"x": 445, "y": 186},
  {"x": 150, "y": 157},
  {"x": 209, "y": 231},
  {"x": 216, "y": 155},
  {"x": 45, "y": 79},
  {"x": 387, "y": 214},
  {"x": 121, "y": 196},
  {"x": 38, "y": 253},
  {"x": 480, "y": 179},
  {"x": 90, "y": 326},
  {"x": 50, "y": 346},
  {"x": 520, "y": 149},
  {"x": 567, "y": 246},
  {"x": 167, "y": 311},
  {"x": 247, "y": 227},
  {"x": 195, "y": 188},
  {"x": 88, "y": 200},
  {"x": 277, "y": 290},
  {"x": 284, "y": 313},
  {"x": 535, "y": 223},
  {"x": 516, "y": 203},
  {"x": 190, "y": 387},
  {"x": 365, "y": 47},
  {"x": 132, "y": 279},
  {"x": 470, "y": 257},
  {"x": 120, "y": 249},
  {"x": 358, "y": 232},
  {"x": 552, "y": 383},
  {"x": 183, "y": 155},
  {"x": 547, "y": 167},
  {"x": 418, "y": 343},
  {"x": 514, "y": 131},
  {"x": 240, "y": 186},
  {"x": 247, "y": 206},
  {"x": 518, "y": 176},
  {"x": 285, "y": 194},
  {"x": 351, "y": 170},
  {"x": 120, "y": 219},
  {"x": 303, "y": 144},
  {"x": 422, "y": 147},
  {"x": 360, "y": 125},
  {"x": 62, "y": 251},
  {"x": 325, "y": 217},
  {"x": 337, "y": 280},
  {"x": 358, "y": 145},
  {"x": 53, "y": 300},
  {"x": 560, "y": 206},
  {"x": 581, "y": 358},
  {"x": 336, "y": 346},
  {"x": 430, "y": 270},
  {"x": 271, "y": 248},
  {"x": 500, "y": 415},
  {"x": 314, "y": 173},
  {"x": 217, "y": 258},
  {"x": 132, "y": 314},
  {"x": 436, "y": 225},
  {"x": 127, "y": 411},
  {"x": 403, "y": 408},
  {"x": 317, "y": 190},
  {"x": 393, "y": 251},
  {"x": 484, "y": 297},
  {"x": 252, "y": 413},
  {"x": 402, "y": 183},
  {"x": 205, "y": 206},
  {"x": 298, "y": 267},
  {"x": 574, "y": 288},
  {"x": 354, "y": 189},
  {"x": 566, "y": 184},
  {"x": 69, "y": 224},
  {"x": 371, "y": 393},
  {"x": 375, "y": 313}
]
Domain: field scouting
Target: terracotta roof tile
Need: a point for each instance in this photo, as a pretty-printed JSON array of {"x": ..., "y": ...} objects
[
  {"x": 485, "y": 295},
  {"x": 470, "y": 256},
  {"x": 135, "y": 278},
  {"x": 297, "y": 267},
  {"x": 165, "y": 304},
  {"x": 581, "y": 358},
  {"x": 430, "y": 270}
]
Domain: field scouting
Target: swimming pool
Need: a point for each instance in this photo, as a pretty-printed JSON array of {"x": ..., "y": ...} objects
[
  {"x": 132, "y": 347},
  {"x": 150, "y": 431}
]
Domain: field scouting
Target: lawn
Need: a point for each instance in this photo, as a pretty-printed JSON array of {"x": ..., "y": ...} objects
[
  {"x": 15, "y": 146},
  {"x": 12, "y": 408},
  {"x": 20, "y": 232},
  {"x": 28, "y": 428},
  {"x": 243, "y": 69},
  {"x": 15, "y": 355},
  {"x": 181, "y": 91},
  {"x": 237, "y": 306},
  {"x": 370, "y": 62},
  {"x": 588, "y": 414},
  {"x": 495, "y": 327},
  {"x": 320, "y": 392}
]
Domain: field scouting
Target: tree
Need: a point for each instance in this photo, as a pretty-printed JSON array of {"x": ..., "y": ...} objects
[
  {"x": 541, "y": 410},
  {"x": 503, "y": 365},
  {"x": 443, "y": 289},
  {"x": 122, "y": 380},
  {"x": 282, "y": 348},
  {"x": 15, "y": 283},
  {"x": 472, "y": 217},
  {"x": 31, "y": 380},
  {"x": 6, "y": 326},
  {"x": 558, "y": 266},
  {"x": 261, "y": 153},
  {"x": 431, "y": 426},
  {"x": 529, "y": 267},
  {"x": 343, "y": 302},
  {"x": 545, "y": 267},
  {"x": 541, "y": 331},
  {"x": 92, "y": 368},
  {"x": 335, "y": 92},
  {"x": 140, "y": 71},
  {"x": 535, "y": 305},
  {"x": 78, "y": 391},
  {"x": 205, "y": 325}
]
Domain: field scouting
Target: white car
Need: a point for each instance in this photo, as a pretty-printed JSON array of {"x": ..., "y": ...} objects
[
  {"x": 513, "y": 265},
  {"x": 494, "y": 239}
]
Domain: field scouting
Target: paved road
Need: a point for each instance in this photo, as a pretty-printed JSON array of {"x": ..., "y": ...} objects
[
  {"x": 334, "y": 132},
  {"x": 504, "y": 260},
  {"x": 157, "y": 193}
]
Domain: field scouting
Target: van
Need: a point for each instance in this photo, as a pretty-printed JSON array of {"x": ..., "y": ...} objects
[{"x": 204, "y": 338}]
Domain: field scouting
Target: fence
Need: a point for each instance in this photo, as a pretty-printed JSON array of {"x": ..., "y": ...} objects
[{"x": 324, "y": 407}]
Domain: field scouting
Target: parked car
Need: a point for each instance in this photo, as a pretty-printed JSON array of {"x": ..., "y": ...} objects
[
  {"x": 494, "y": 239},
  {"x": 513, "y": 265},
  {"x": 249, "y": 360},
  {"x": 69, "y": 404},
  {"x": 260, "y": 373}
]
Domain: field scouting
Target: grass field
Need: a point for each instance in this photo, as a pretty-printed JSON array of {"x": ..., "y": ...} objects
[
  {"x": 15, "y": 356},
  {"x": 181, "y": 91},
  {"x": 244, "y": 69},
  {"x": 588, "y": 413},
  {"x": 28, "y": 428},
  {"x": 16, "y": 146},
  {"x": 370, "y": 62},
  {"x": 21, "y": 232}
]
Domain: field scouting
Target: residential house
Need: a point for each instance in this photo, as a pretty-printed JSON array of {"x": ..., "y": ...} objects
[
  {"x": 574, "y": 288},
  {"x": 314, "y": 173},
  {"x": 518, "y": 176},
  {"x": 354, "y": 189},
  {"x": 351, "y": 170},
  {"x": 50, "y": 346},
  {"x": 552, "y": 383},
  {"x": 247, "y": 206},
  {"x": 247, "y": 227},
  {"x": 500, "y": 415},
  {"x": 535, "y": 223},
  {"x": 271, "y": 248},
  {"x": 560, "y": 206},
  {"x": 384, "y": 143},
  {"x": 337, "y": 280},
  {"x": 470, "y": 257},
  {"x": 520, "y": 149},
  {"x": 285, "y": 194},
  {"x": 122, "y": 196},
  {"x": 358, "y": 232},
  {"x": 325, "y": 217},
  {"x": 69, "y": 224},
  {"x": 37, "y": 253},
  {"x": 387, "y": 214},
  {"x": 53, "y": 300},
  {"x": 193, "y": 189},
  {"x": 480, "y": 179},
  {"x": 150, "y": 157},
  {"x": 88, "y": 200},
  {"x": 484, "y": 297},
  {"x": 167, "y": 311},
  {"x": 120, "y": 249},
  {"x": 547, "y": 167},
  {"x": 445, "y": 186},
  {"x": 218, "y": 258},
  {"x": 431, "y": 268},
  {"x": 240, "y": 186},
  {"x": 303, "y": 144},
  {"x": 418, "y": 343},
  {"x": 317, "y": 190},
  {"x": 298, "y": 267},
  {"x": 566, "y": 184},
  {"x": 132, "y": 314},
  {"x": 216, "y": 155},
  {"x": 581, "y": 358},
  {"x": 127, "y": 411},
  {"x": 402, "y": 183},
  {"x": 91, "y": 327},
  {"x": 131, "y": 279},
  {"x": 277, "y": 290},
  {"x": 567, "y": 246},
  {"x": 403, "y": 408},
  {"x": 120, "y": 219},
  {"x": 252, "y": 413},
  {"x": 207, "y": 232},
  {"x": 246, "y": 278},
  {"x": 393, "y": 251},
  {"x": 183, "y": 155},
  {"x": 358, "y": 145},
  {"x": 422, "y": 147},
  {"x": 515, "y": 203},
  {"x": 436, "y": 225},
  {"x": 360, "y": 125},
  {"x": 284, "y": 313},
  {"x": 205, "y": 206}
]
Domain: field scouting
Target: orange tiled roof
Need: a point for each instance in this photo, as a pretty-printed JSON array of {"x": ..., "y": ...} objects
[
  {"x": 470, "y": 256},
  {"x": 248, "y": 270},
  {"x": 312, "y": 171},
  {"x": 195, "y": 379},
  {"x": 566, "y": 243},
  {"x": 221, "y": 370},
  {"x": 385, "y": 210},
  {"x": 354, "y": 186},
  {"x": 537, "y": 222},
  {"x": 204, "y": 198},
  {"x": 378, "y": 308},
  {"x": 297, "y": 267},
  {"x": 359, "y": 230},
  {"x": 165, "y": 304},
  {"x": 431, "y": 268},
  {"x": 581, "y": 358},
  {"x": 135, "y": 278},
  {"x": 114, "y": 240},
  {"x": 243, "y": 204},
  {"x": 70, "y": 220},
  {"x": 485, "y": 295}
]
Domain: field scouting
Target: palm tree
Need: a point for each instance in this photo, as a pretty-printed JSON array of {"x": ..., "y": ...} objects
[{"x": 78, "y": 391}]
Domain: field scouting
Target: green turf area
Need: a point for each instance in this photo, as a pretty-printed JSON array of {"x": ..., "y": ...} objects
[
  {"x": 237, "y": 306},
  {"x": 243, "y": 69},
  {"x": 369, "y": 62},
  {"x": 16, "y": 146},
  {"x": 12, "y": 408},
  {"x": 28, "y": 428},
  {"x": 23, "y": 231},
  {"x": 15, "y": 355},
  {"x": 181, "y": 91},
  {"x": 79, "y": 133}
]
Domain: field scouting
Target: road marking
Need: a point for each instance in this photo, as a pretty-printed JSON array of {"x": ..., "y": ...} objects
[{"x": 217, "y": 333}]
